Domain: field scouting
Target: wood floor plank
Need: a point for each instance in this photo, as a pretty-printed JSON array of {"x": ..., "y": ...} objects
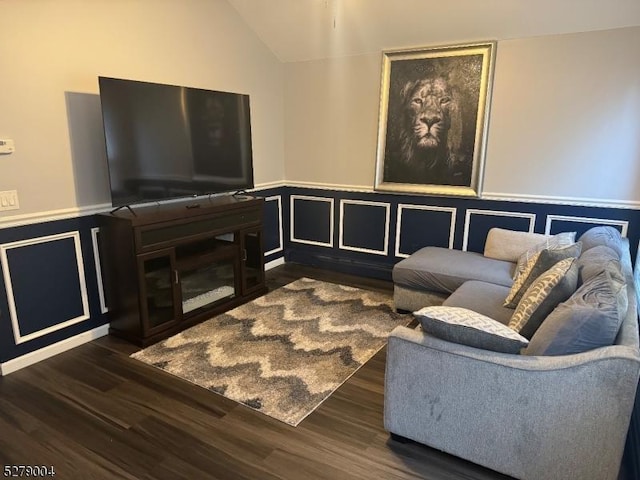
[
  {"x": 164, "y": 436},
  {"x": 95, "y": 413},
  {"x": 77, "y": 427}
]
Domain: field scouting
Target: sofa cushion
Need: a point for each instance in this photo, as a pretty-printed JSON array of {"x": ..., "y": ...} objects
[
  {"x": 444, "y": 270},
  {"x": 508, "y": 245},
  {"x": 482, "y": 297},
  {"x": 556, "y": 241},
  {"x": 590, "y": 319},
  {"x": 467, "y": 327},
  {"x": 594, "y": 260},
  {"x": 545, "y": 293},
  {"x": 603, "y": 235},
  {"x": 409, "y": 300},
  {"x": 536, "y": 266}
]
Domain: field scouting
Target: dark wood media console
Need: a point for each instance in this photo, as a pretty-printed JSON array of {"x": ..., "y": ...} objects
[{"x": 170, "y": 266}]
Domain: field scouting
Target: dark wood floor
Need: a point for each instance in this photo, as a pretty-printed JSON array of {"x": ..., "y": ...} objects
[{"x": 93, "y": 412}]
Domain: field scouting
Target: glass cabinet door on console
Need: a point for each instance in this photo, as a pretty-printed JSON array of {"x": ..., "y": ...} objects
[
  {"x": 202, "y": 286},
  {"x": 207, "y": 272},
  {"x": 252, "y": 259},
  {"x": 159, "y": 290}
]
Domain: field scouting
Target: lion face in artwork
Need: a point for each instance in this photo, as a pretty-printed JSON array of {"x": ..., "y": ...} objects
[
  {"x": 428, "y": 134},
  {"x": 427, "y": 116}
]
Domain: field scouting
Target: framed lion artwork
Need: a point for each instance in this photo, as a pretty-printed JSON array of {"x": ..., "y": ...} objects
[{"x": 434, "y": 111}]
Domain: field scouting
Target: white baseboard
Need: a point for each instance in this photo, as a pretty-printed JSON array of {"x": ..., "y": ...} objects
[
  {"x": 274, "y": 263},
  {"x": 50, "y": 350}
]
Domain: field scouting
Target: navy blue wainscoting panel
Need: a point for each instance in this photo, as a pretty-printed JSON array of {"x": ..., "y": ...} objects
[
  {"x": 364, "y": 226},
  {"x": 424, "y": 226},
  {"x": 47, "y": 290},
  {"x": 48, "y": 271},
  {"x": 273, "y": 223},
  {"x": 417, "y": 221},
  {"x": 479, "y": 222},
  {"x": 557, "y": 224},
  {"x": 312, "y": 220}
]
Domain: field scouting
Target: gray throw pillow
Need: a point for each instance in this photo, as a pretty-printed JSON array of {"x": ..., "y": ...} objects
[
  {"x": 546, "y": 259},
  {"x": 594, "y": 260},
  {"x": 603, "y": 235},
  {"x": 591, "y": 318},
  {"x": 556, "y": 241},
  {"x": 552, "y": 287},
  {"x": 466, "y": 327}
]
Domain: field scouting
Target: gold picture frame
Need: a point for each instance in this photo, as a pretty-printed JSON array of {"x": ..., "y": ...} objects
[{"x": 434, "y": 114}]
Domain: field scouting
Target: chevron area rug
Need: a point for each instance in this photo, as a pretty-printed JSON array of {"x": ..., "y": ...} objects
[{"x": 284, "y": 353}]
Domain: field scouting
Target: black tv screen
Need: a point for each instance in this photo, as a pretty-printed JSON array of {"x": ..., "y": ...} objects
[{"x": 167, "y": 141}]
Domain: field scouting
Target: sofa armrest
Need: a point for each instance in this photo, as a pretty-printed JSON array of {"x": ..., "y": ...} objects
[{"x": 529, "y": 417}]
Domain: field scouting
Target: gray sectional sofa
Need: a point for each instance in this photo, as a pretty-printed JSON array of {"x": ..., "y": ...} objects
[{"x": 538, "y": 413}]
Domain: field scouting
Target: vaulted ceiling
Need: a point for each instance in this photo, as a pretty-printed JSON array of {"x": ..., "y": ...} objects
[{"x": 299, "y": 30}]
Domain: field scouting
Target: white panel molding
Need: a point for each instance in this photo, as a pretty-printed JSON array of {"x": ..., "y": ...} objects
[
  {"x": 384, "y": 205},
  {"x": 598, "y": 221},
  {"x": 553, "y": 200},
  {"x": 49, "y": 351},
  {"x": 6, "y": 271},
  {"x": 332, "y": 186},
  {"x": 493, "y": 213},
  {"x": 96, "y": 259},
  {"x": 278, "y": 200},
  {"x": 268, "y": 185},
  {"x": 63, "y": 214},
  {"x": 497, "y": 196},
  {"x": 75, "y": 212},
  {"x": 293, "y": 198},
  {"x": 52, "y": 215},
  {"x": 402, "y": 206}
]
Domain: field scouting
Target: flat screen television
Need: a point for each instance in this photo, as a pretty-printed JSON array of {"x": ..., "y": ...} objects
[{"x": 167, "y": 141}]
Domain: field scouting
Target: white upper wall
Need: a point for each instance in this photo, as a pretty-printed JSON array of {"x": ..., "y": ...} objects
[
  {"x": 565, "y": 118},
  {"x": 302, "y": 30},
  {"x": 331, "y": 118},
  {"x": 53, "y": 52},
  {"x": 564, "y": 124}
]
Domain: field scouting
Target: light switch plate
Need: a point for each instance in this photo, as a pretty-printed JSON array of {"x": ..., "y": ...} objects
[{"x": 9, "y": 200}]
